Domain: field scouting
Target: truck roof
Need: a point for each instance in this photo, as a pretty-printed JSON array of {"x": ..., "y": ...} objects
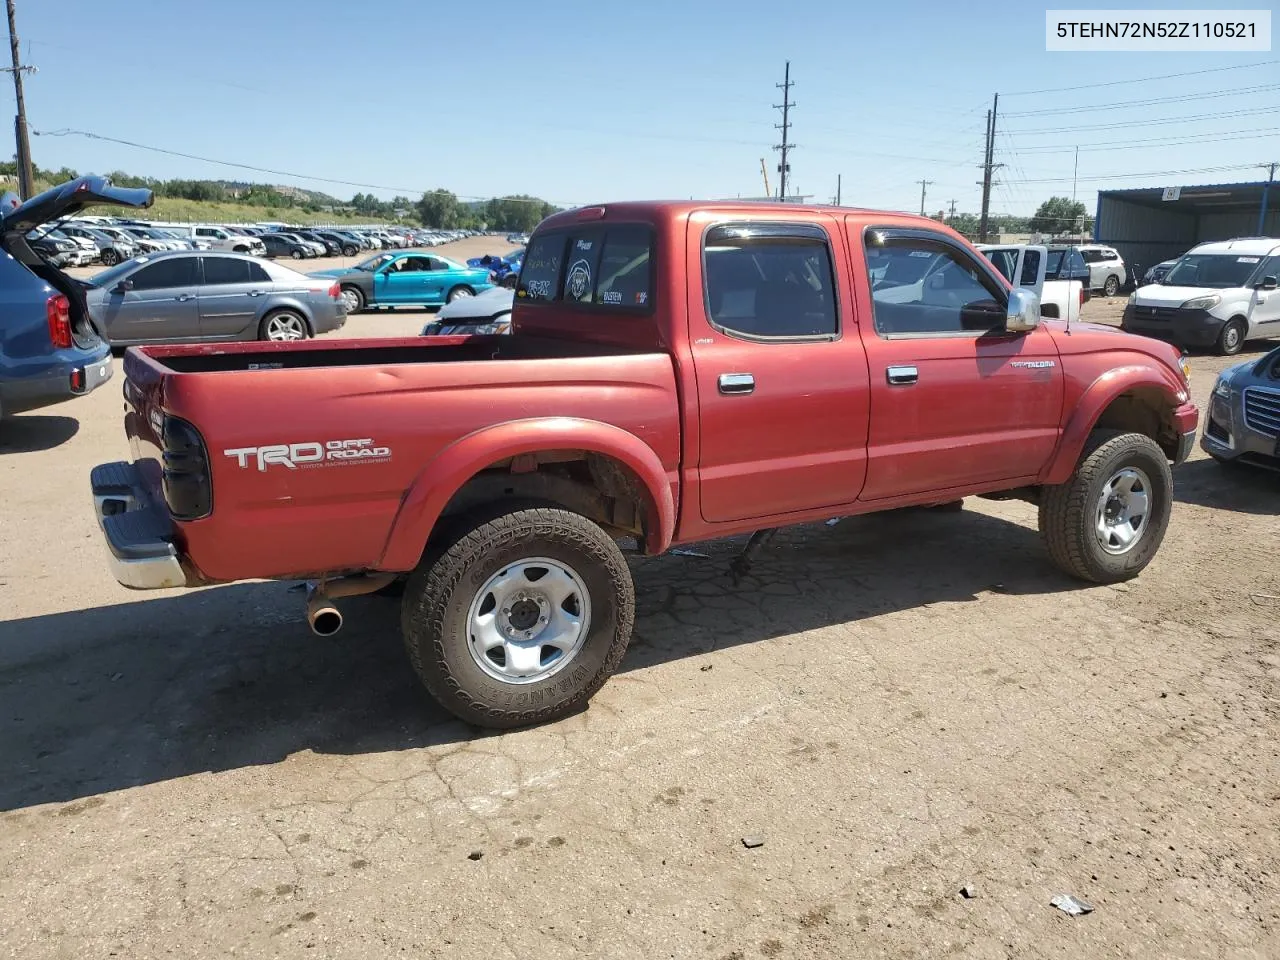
[
  {"x": 1244, "y": 246},
  {"x": 674, "y": 209}
]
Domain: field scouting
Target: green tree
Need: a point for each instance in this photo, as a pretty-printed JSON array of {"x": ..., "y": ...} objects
[
  {"x": 1057, "y": 214},
  {"x": 440, "y": 208}
]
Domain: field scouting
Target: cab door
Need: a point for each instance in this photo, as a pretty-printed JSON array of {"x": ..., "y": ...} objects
[
  {"x": 955, "y": 400},
  {"x": 156, "y": 302},
  {"x": 404, "y": 280},
  {"x": 779, "y": 366}
]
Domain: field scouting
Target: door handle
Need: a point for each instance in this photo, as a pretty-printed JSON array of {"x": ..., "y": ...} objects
[
  {"x": 256, "y": 293},
  {"x": 737, "y": 383},
  {"x": 183, "y": 297},
  {"x": 901, "y": 376}
]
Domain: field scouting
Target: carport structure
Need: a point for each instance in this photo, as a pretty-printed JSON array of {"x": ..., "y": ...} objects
[{"x": 1151, "y": 224}]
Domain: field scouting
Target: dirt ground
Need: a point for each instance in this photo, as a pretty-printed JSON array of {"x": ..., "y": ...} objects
[{"x": 899, "y": 706}]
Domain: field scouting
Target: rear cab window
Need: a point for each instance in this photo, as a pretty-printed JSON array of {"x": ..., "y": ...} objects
[{"x": 605, "y": 267}]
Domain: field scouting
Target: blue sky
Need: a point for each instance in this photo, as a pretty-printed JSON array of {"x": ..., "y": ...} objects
[{"x": 582, "y": 102}]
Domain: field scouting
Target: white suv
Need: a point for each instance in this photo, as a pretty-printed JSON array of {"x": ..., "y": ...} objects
[
  {"x": 1106, "y": 268},
  {"x": 1217, "y": 295}
]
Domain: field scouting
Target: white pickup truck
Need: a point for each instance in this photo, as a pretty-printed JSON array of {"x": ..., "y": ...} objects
[
  {"x": 219, "y": 238},
  {"x": 1052, "y": 273}
]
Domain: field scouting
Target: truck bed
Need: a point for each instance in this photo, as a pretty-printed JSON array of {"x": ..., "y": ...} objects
[
  {"x": 313, "y": 450},
  {"x": 221, "y": 358}
]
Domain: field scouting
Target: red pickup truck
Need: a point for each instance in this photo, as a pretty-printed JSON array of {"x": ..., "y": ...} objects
[{"x": 676, "y": 372}]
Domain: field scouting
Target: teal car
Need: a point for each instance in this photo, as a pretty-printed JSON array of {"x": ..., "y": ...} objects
[{"x": 410, "y": 278}]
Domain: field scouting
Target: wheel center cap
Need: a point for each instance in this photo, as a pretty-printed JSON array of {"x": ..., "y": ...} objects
[{"x": 524, "y": 614}]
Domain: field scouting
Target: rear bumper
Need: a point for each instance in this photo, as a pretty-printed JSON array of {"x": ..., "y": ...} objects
[
  {"x": 68, "y": 374},
  {"x": 1194, "y": 328},
  {"x": 138, "y": 531}
]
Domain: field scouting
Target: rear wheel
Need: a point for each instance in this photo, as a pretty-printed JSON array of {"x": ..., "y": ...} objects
[
  {"x": 521, "y": 618},
  {"x": 457, "y": 293},
  {"x": 353, "y": 299},
  {"x": 1112, "y": 286},
  {"x": 1231, "y": 339},
  {"x": 1106, "y": 523},
  {"x": 284, "y": 325}
]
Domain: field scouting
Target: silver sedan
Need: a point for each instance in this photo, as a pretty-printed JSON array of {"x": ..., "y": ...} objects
[{"x": 190, "y": 296}]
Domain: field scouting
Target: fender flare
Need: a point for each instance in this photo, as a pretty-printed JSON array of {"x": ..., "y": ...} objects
[
  {"x": 1094, "y": 401},
  {"x": 446, "y": 473}
]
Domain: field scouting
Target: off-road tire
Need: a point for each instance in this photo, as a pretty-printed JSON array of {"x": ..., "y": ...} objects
[
  {"x": 1067, "y": 510},
  {"x": 437, "y": 602},
  {"x": 1228, "y": 345}
]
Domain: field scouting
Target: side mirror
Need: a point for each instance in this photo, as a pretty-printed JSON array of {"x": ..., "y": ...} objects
[
  {"x": 1266, "y": 283},
  {"x": 124, "y": 286},
  {"x": 1023, "y": 312}
]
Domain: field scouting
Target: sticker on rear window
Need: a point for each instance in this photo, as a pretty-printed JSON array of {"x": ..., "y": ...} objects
[
  {"x": 920, "y": 253},
  {"x": 1248, "y": 259}
]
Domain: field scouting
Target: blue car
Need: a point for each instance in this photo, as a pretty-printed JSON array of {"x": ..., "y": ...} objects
[
  {"x": 50, "y": 348},
  {"x": 410, "y": 278},
  {"x": 505, "y": 268}
]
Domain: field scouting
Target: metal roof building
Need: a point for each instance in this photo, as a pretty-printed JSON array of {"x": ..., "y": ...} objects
[{"x": 1151, "y": 224}]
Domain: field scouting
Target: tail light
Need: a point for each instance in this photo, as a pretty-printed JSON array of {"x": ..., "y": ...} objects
[
  {"x": 58, "y": 311},
  {"x": 336, "y": 290},
  {"x": 187, "y": 485}
]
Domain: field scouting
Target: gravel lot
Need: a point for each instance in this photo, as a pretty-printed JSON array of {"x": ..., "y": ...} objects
[{"x": 898, "y": 705}]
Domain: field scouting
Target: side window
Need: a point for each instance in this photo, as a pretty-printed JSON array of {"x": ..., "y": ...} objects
[
  {"x": 583, "y": 260},
  {"x": 929, "y": 287},
  {"x": 219, "y": 270},
  {"x": 1076, "y": 266},
  {"x": 256, "y": 273},
  {"x": 1091, "y": 256},
  {"x": 1030, "y": 268},
  {"x": 433, "y": 263},
  {"x": 624, "y": 268},
  {"x": 770, "y": 280},
  {"x": 174, "y": 272},
  {"x": 1002, "y": 260},
  {"x": 1110, "y": 255}
]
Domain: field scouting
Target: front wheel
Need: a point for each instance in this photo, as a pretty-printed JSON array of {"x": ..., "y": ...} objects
[
  {"x": 352, "y": 299},
  {"x": 296, "y": 254},
  {"x": 521, "y": 618},
  {"x": 110, "y": 258},
  {"x": 457, "y": 293},
  {"x": 348, "y": 251},
  {"x": 1112, "y": 286},
  {"x": 1231, "y": 339},
  {"x": 1105, "y": 524}
]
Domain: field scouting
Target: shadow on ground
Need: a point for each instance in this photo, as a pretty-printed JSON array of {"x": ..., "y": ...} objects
[
  {"x": 1239, "y": 488},
  {"x": 107, "y": 698},
  {"x": 32, "y": 433}
]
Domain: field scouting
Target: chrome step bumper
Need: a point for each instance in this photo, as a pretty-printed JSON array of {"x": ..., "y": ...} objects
[{"x": 138, "y": 532}]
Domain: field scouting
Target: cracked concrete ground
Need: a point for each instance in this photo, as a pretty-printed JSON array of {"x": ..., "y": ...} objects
[{"x": 899, "y": 705}]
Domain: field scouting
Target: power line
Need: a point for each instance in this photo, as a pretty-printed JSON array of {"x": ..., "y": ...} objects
[
  {"x": 1155, "y": 173},
  {"x": 1264, "y": 133},
  {"x": 273, "y": 172},
  {"x": 1118, "y": 83},
  {"x": 1094, "y": 107},
  {"x": 1154, "y": 123}
]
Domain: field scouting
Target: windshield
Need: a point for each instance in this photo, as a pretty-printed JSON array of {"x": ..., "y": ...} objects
[
  {"x": 373, "y": 263},
  {"x": 1211, "y": 270}
]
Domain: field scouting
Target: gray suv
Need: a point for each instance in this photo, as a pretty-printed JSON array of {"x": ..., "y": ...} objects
[{"x": 210, "y": 295}]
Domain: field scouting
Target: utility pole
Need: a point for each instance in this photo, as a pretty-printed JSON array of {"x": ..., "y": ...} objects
[
  {"x": 783, "y": 166},
  {"x": 923, "y": 184},
  {"x": 988, "y": 166},
  {"x": 952, "y": 216},
  {"x": 1075, "y": 169},
  {"x": 1262, "y": 211},
  {"x": 839, "y": 177},
  {"x": 26, "y": 180}
]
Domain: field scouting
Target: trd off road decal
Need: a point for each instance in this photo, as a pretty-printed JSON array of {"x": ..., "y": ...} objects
[{"x": 330, "y": 453}]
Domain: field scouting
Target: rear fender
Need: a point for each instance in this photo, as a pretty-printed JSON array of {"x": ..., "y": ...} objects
[
  {"x": 1095, "y": 401},
  {"x": 438, "y": 481}
]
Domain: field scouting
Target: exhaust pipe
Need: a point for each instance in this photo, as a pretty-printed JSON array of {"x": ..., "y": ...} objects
[{"x": 323, "y": 617}]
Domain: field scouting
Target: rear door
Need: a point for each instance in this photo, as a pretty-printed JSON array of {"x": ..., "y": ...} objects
[
  {"x": 780, "y": 369},
  {"x": 955, "y": 400},
  {"x": 231, "y": 296},
  {"x": 161, "y": 305},
  {"x": 1022, "y": 265}
]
